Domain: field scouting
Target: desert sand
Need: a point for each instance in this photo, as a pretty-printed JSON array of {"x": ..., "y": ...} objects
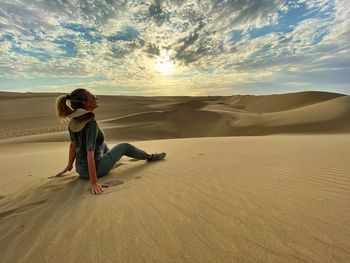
[{"x": 246, "y": 179}]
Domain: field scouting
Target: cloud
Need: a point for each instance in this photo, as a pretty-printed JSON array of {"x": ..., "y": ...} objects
[{"x": 212, "y": 41}]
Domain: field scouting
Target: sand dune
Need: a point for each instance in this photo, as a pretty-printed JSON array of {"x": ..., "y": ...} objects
[
  {"x": 278, "y": 198},
  {"x": 149, "y": 118},
  {"x": 229, "y": 199},
  {"x": 327, "y": 116},
  {"x": 278, "y": 102}
]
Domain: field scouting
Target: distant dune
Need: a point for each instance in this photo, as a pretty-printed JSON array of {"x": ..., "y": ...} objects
[
  {"x": 147, "y": 118},
  {"x": 280, "y": 102}
]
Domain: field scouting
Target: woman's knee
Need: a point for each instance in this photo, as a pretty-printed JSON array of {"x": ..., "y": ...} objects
[
  {"x": 127, "y": 149},
  {"x": 124, "y": 145}
]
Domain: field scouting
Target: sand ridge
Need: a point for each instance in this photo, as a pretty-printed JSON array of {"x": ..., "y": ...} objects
[{"x": 149, "y": 118}]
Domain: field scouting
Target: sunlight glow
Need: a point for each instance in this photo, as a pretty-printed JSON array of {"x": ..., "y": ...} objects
[{"x": 164, "y": 65}]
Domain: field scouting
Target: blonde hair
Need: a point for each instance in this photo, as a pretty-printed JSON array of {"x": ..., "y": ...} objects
[{"x": 67, "y": 104}]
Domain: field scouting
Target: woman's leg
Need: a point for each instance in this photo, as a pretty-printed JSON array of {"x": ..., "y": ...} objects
[{"x": 111, "y": 157}]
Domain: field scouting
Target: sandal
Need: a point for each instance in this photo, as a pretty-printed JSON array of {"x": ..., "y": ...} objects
[{"x": 156, "y": 157}]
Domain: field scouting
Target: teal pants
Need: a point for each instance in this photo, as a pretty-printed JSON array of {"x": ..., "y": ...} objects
[{"x": 111, "y": 157}]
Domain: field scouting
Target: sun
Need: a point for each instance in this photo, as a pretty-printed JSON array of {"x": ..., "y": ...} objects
[{"x": 164, "y": 65}]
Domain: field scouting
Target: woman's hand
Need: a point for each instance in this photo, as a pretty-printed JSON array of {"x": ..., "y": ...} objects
[
  {"x": 67, "y": 169},
  {"x": 97, "y": 188}
]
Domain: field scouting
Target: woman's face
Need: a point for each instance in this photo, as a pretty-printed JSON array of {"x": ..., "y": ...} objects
[{"x": 91, "y": 102}]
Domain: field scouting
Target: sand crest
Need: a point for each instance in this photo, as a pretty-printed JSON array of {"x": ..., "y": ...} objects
[{"x": 150, "y": 118}]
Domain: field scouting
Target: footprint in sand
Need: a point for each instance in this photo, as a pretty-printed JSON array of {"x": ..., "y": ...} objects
[
  {"x": 22, "y": 209},
  {"x": 113, "y": 183}
]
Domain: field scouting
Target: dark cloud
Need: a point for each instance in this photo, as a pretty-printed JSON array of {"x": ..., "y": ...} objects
[
  {"x": 123, "y": 48},
  {"x": 198, "y": 44},
  {"x": 158, "y": 13},
  {"x": 152, "y": 49},
  {"x": 247, "y": 13}
]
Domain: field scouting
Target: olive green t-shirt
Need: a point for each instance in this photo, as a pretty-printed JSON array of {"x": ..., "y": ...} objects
[{"x": 90, "y": 137}]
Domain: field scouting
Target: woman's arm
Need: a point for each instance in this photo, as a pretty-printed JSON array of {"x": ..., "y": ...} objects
[
  {"x": 94, "y": 185},
  {"x": 72, "y": 155},
  {"x": 71, "y": 159}
]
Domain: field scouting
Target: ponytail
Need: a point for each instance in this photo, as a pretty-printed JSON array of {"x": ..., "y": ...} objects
[{"x": 63, "y": 109}]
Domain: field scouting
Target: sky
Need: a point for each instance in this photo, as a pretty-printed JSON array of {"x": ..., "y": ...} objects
[{"x": 175, "y": 47}]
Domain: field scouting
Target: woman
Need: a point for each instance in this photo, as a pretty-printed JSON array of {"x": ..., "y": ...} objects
[{"x": 87, "y": 148}]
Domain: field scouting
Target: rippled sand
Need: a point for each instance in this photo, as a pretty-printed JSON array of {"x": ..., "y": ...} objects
[{"x": 229, "y": 199}]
